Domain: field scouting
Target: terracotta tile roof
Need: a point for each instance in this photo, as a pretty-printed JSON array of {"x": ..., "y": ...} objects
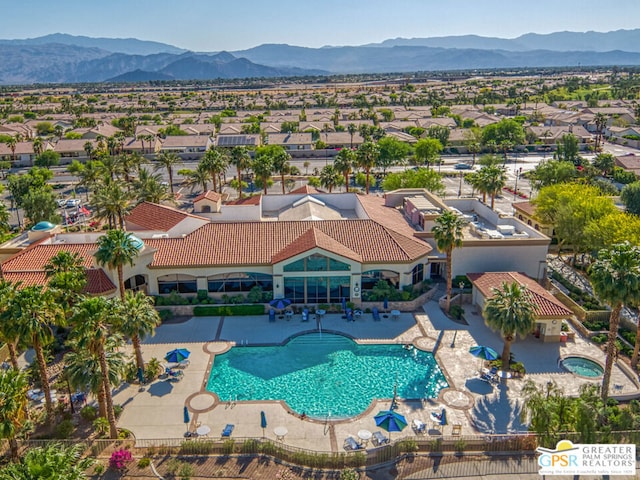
[
  {"x": 305, "y": 189},
  {"x": 98, "y": 283},
  {"x": 209, "y": 195},
  {"x": 315, "y": 238},
  {"x": 256, "y": 243},
  {"x": 36, "y": 256},
  {"x": 252, "y": 200},
  {"x": 546, "y": 304},
  {"x": 388, "y": 216},
  {"x": 151, "y": 216},
  {"x": 527, "y": 207}
]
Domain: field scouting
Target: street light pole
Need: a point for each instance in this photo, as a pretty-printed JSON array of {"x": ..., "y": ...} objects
[{"x": 460, "y": 186}]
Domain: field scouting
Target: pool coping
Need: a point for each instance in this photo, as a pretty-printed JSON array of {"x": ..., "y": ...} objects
[{"x": 586, "y": 357}]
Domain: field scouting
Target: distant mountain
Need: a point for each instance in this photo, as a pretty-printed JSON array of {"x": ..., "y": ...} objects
[
  {"x": 625, "y": 40},
  {"x": 132, "y": 46},
  {"x": 138, "y": 76}
]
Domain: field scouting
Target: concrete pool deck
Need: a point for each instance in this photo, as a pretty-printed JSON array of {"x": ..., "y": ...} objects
[{"x": 156, "y": 411}]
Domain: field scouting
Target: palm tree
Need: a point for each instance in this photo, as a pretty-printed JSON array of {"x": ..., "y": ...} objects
[
  {"x": 82, "y": 368},
  {"x": 195, "y": 178},
  {"x": 168, "y": 160},
  {"x": 13, "y": 411},
  {"x": 490, "y": 181},
  {"x": 447, "y": 233},
  {"x": 343, "y": 163},
  {"x": 89, "y": 149},
  {"x": 262, "y": 166},
  {"x": 12, "y": 143},
  {"x": 90, "y": 174},
  {"x": 511, "y": 312},
  {"x": 366, "y": 158},
  {"x": 112, "y": 202},
  {"x": 329, "y": 177},
  {"x": 115, "y": 249},
  {"x": 37, "y": 145},
  {"x": 281, "y": 162},
  {"x": 50, "y": 461},
  {"x": 36, "y": 312},
  {"x": 241, "y": 159},
  {"x": 92, "y": 320},
  {"x": 139, "y": 319},
  {"x": 8, "y": 328},
  {"x": 601, "y": 121},
  {"x": 352, "y": 128},
  {"x": 615, "y": 277},
  {"x": 215, "y": 160},
  {"x": 149, "y": 188}
]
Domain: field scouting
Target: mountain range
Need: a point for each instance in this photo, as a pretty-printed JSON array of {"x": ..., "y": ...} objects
[{"x": 62, "y": 58}]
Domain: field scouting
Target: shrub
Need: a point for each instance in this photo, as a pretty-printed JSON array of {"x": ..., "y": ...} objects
[
  {"x": 119, "y": 459},
  {"x": 64, "y": 429},
  {"x": 144, "y": 462},
  {"x": 255, "y": 295},
  {"x": 117, "y": 410},
  {"x": 456, "y": 311},
  {"x": 349, "y": 474},
  {"x": 202, "y": 295},
  {"x": 165, "y": 315},
  {"x": 89, "y": 413},
  {"x": 228, "y": 310}
]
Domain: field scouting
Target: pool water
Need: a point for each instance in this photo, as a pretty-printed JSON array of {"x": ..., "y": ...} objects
[
  {"x": 324, "y": 375},
  {"x": 582, "y": 366}
]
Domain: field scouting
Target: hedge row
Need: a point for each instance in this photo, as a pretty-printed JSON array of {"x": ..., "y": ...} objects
[{"x": 227, "y": 310}]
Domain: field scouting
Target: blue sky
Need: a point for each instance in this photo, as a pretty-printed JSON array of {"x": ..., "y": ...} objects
[{"x": 211, "y": 25}]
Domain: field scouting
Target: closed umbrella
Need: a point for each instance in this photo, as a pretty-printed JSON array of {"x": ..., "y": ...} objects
[
  {"x": 280, "y": 303},
  {"x": 385, "y": 304},
  {"x": 177, "y": 355},
  {"x": 263, "y": 422},
  {"x": 443, "y": 417},
  {"x": 390, "y": 421},
  {"x": 140, "y": 376},
  {"x": 344, "y": 304},
  {"x": 185, "y": 412},
  {"x": 484, "y": 353}
]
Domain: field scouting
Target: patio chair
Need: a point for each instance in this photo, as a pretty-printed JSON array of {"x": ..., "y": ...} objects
[
  {"x": 183, "y": 364},
  {"x": 376, "y": 314},
  {"x": 457, "y": 429},
  {"x": 491, "y": 376},
  {"x": 379, "y": 439},
  {"x": 305, "y": 315},
  {"x": 351, "y": 443},
  {"x": 350, "y": 315},
  {"x": 228, "y": 429},
  {"x": 419, "y": 427},
  {"x": 272, "y": 315}
]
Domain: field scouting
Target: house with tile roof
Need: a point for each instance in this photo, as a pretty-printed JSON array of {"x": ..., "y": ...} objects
[
  {"x": 309, "y": 246},
  {"x": 549, "y": 311}
]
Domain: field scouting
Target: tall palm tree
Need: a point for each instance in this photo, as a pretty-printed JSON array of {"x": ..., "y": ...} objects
[
  {"x": 352, "y": 128},
  {"x": 112, "y": 202},
  {"x": 91, "y": 174},
  {"x": 89, "y": 149},
  {"x": 36, "y": 312},
  {"x": 615, "y": 277},
  {"x": 8, "y": 328},
  {"x": 241, "y": 159},
  {"x": 168, "y": 160},
  {"x": 329, "y": 177},
  {"x": 139, "y": 318},
  {"x": 281, "y": 162},
  {"x": 601, "y": 122},
  {"x": 491, "y": 180},
  {"x": 13, "y": 408},
  {"x": 195, "y": 178},
  {"x": 343, "y": 163},
  {"x": 366, "y": 158},
  {"x": 215, "y": 160},
  {"x": 82, "y": 368},
  {"x": 149, "y": 188},
  {"x": 12, "y": 143},
  {"x": 447, "y": 233},
  {"x": 262, "y": 166},
  {"x": 115, "y": 250},
  {"x": 38, "y": 145},
  {"x": 511, "y": 312},
  {"x": 51, "y": 461},
  {"x": 67, "y": 277},
  {"x": 92, "y": 320}
]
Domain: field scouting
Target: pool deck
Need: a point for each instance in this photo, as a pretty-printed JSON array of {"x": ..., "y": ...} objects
[{"x": 156, "y": 411}]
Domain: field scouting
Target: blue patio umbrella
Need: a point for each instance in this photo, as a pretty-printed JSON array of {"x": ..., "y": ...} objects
[
  {"x": 344, "y": 304},
  {"x": 187, "y": 419},
  {"x": 280, "y": 303},
  {"x": 385, "y": 304},
  {"x": 443, "y": 417},
  {"x": 390, "y": 421},
  {"x": 140, "y": 376},
  {"x": 263, "y": 422},
  {"x": 177, "y": 355},
  {"x": 485, "y": 353}
]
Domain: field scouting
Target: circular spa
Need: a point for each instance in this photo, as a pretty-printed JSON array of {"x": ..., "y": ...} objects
[
  {"x": 324, "y": 375},
  {"x": 582, "y": 366}
]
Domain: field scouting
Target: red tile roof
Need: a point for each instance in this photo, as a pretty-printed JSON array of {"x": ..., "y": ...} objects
[
  {"x": 98, "y": 283},
  {"x": 36, "y": 256},
  {"x": 309, "y": 190},
  {"x": 546, "y": 304},
  {"x": 209, "y": 195},
  {"x": 151, "y": 216},
  {"x": 252, "y": 200},
  {"x": 258, "y": 243},
  {"x": 315, "y": 238},
  {"x": 527, "y": 207}
]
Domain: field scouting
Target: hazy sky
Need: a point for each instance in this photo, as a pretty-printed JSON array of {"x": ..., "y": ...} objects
[{"x": 211, "y": 25}]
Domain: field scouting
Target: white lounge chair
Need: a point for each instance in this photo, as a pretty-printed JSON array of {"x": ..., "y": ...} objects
[
  {"x": 419, "y": 427},
  {"x": 351, "y": 443}
]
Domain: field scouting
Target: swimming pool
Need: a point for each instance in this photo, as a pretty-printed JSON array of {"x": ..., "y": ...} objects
[
  {"x": 324, "y": 375},
  {"x": 582, "y": 366}
]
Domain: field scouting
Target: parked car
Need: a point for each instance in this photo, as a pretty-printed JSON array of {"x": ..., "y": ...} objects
[
  {"x": 462, "y": 166},
  {"x": 61, "y": 202},
  {"x": 73, "y": 202}
]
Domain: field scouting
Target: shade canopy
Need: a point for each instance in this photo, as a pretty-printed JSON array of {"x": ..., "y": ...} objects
[
  {"x": 280, "y": 303},
  {"x": 486, "y": 353},
  {"x": 177, "y": 355},
  {"x": 390, "y": 421}
]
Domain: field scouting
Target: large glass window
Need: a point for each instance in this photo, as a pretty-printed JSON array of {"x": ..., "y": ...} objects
[
  {"x": 417, "y": 274},
  {"x": 317, "y": 289},
  {"x": 317, "y": 263},
  {"x": 238, "y": 282},
  {"x": 177, "y": 282},
  {"x": 294, "y": 289},
  {"x": 371, "y": 277}
]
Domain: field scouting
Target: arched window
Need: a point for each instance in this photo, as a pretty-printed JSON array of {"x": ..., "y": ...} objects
[
  {"x": 135, "y": 283},
  {"x": 206, "y": 209},
  {"x": 178, "y": 283},
  {"x": 317, "y": 263},
  {"x": 238, "y": 282}
]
